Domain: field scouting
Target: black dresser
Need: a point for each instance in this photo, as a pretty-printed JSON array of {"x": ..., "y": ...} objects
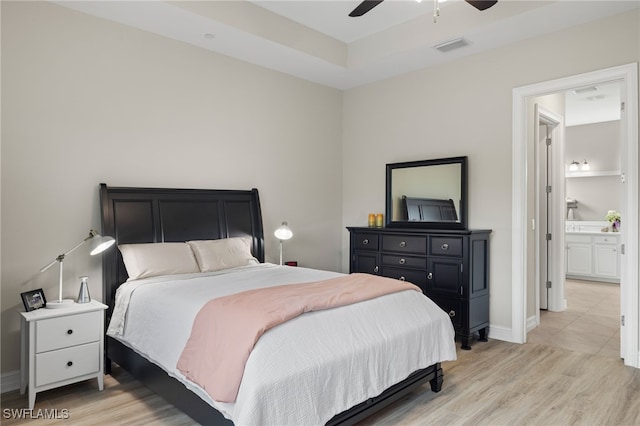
[{"x": 450, "y": 266}]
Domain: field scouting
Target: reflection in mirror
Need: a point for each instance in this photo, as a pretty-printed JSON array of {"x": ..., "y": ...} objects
[{"x": 428, "y": 193}]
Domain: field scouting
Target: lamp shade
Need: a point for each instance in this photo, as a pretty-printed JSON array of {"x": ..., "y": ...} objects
[
  {"x": 100, "y": 244},
  {"x": 283, "y": 232},
  {"x": 574, "y": 166}
]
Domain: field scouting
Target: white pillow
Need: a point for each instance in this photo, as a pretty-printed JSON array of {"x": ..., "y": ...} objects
[
  {"x": 153, "y": 259},
  {"x": 214, "y": 255}
]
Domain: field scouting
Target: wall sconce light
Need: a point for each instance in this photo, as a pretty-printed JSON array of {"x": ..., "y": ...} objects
[
  {"x": 573, "y": 167},
  {"x": 585, "y": 166},
  {"x": 283, "y": 233},
  {"x": 98, "y": 245}
]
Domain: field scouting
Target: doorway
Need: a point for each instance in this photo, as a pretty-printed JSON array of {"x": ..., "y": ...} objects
[{"x": 629, "y": 297}]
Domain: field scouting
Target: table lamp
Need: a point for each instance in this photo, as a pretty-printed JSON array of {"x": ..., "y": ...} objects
[
  {"x": 283, "y": 233},
  {"x": 98, "y": 245}
]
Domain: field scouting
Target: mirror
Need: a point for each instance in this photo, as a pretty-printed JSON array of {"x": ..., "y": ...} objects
[{"x": 427, "y": 194}]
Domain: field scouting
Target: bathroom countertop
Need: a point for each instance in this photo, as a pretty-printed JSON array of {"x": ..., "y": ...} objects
[{"x": 613, "y": 234}]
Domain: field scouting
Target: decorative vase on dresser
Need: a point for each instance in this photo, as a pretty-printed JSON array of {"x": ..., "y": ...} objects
[{"x": 450, "y": 266}]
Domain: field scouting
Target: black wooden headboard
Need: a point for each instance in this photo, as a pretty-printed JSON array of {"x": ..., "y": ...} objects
[{"x": 155, "y": 215}]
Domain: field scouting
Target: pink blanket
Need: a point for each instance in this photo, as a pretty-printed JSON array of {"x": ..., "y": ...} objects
[{"x": 226, "y": 329}]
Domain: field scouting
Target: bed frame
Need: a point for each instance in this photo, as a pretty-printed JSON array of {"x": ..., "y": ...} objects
[{"x": 152, "y": 215}]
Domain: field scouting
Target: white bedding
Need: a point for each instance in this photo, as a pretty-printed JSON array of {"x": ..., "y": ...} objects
[{"x": 295, "y": 374}]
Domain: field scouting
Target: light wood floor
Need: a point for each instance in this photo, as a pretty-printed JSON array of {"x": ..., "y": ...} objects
[
  {"x": 590, "y": 324},
  {"x": 565, "y": 380}
]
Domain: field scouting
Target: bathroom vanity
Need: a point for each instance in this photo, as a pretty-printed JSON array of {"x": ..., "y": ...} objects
[{"x": 592, "y": 254}]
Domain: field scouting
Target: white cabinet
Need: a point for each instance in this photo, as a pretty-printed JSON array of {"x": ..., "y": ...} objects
[
  {"x": 605, "y": 255},
  {"x": 593, "y": 257},
  {"x": 61, "y": 346}
]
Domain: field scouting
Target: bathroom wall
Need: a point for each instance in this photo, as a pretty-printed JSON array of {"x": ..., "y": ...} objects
[{"x": 599, "y": 144}]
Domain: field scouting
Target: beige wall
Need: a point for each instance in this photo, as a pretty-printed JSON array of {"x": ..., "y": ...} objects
[
  {"x": 86, "y": 101},
  {"x": 155, "y": 112},
  {"x": 464, "y": 108},
  {"x": 599, "y": 143}
]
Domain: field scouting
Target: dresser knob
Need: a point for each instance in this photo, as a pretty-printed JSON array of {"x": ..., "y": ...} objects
[
  {"x": 403, "y": 244},
  {"x": 69, "y": 331},
  {"x": 365, "y": 242},
  {"x": 430, "y": 276},
  {"x": 375, "y": 269},
  {"x": 402, "y": 279},
  {"x": 452, "y": 313},
  {"x": 69, "y": 364},
  {"x": 402, "y": 261},
  {"x": 445, "y": 246}
]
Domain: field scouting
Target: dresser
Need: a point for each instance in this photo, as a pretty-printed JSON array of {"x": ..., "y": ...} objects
[
  {"x": 450, "y": 266},
  {"x": 61, "y": 346}
]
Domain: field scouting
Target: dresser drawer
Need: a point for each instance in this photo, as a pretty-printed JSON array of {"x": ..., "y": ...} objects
[
  {"x": 445, "y": 246},
  {"x": 66, "y": 331},
  {"x": 605, "y": 240},
  {"x": 405, "y": 261},
  {"x": 414, "y": 277},
  {"x": 365, "y": 241},
  {"x": 404, "y": 244},
  {"x": 453, "y": 307},
  {"x": 63, "y": 364}
]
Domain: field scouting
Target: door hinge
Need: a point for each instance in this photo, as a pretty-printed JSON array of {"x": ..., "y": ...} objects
[
  {"x": 548, "y": 237},
  {"x": 548, "y": 284},
  {"x": 548, "y": 189},
  {"x": 621, "y": 248},
  {"x": 621, "y": 106},
  {"x": 622, "y": 320},
  {"x": 548, "y": 141}
]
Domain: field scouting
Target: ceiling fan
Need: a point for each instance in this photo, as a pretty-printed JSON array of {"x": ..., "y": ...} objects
[{"x": 367, "y": 5}]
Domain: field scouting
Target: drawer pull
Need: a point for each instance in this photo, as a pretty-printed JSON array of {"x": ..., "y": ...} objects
[
  {"x": 375, "y": 269},
  {"x": 430, "y": 276},
  {"x": 69, "y": 331},
  {"x": 365, "y": 242},
  {"x": 445, "y": 246},
  {"x": 402, "y": 278},
  {"x": 69, "y": 364},
  {"x": 403, "y": 244},
  {"x": 402, "y": 261},
  {"x": 452, "y": 313}
]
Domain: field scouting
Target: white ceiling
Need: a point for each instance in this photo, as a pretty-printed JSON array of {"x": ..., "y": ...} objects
[{"x": 316, "y": 40}]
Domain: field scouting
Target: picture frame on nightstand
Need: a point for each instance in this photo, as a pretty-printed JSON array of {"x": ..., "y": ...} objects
[{"x": 33, "y": 300}]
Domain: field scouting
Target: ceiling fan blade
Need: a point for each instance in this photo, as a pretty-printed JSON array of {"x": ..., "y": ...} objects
[
  {"x": 481, "y": 4},
  {"x": 364, "y": 7}
]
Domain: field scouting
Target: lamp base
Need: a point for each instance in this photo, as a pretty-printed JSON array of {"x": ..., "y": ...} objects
[{"x": 57, "y": 304}]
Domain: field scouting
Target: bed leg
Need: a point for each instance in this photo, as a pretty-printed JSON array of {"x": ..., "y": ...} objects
[{"x": 436, "y": 382}]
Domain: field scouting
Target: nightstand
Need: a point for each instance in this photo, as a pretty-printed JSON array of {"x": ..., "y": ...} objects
[{"x": 61, "y": 346}]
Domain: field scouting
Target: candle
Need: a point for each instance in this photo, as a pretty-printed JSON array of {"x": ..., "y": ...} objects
[
  {"x": 372, "y": 220},
  {"x": 379, "y": 220}
]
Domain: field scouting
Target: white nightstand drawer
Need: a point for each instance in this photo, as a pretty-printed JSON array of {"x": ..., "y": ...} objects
[
  {"x": 70, "y": 330},
  {"x": 68, "y": 363}
]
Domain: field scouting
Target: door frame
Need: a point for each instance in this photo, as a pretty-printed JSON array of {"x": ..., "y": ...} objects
[{"x": 522, "y": 117}]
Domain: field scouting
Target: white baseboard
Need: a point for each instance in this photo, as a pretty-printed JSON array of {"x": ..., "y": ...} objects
[
  {"x": 532, "y": 322},
  {"x": 10, "y": 381},
  {"x": 501, "y": 333}
]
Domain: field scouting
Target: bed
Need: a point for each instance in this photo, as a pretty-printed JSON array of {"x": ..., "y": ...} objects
[{"x": 155, "y": 215}]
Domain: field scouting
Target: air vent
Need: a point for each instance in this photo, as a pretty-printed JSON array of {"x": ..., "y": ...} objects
[
  {"x": 454, "y": 43},
  {"x": 585, "y": 90}
]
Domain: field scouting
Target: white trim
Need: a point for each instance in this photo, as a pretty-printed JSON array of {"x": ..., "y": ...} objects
[
  {"x": 630, "y": 302},
  {"x": 593, "y": 174},
  {"x": 10, "y": 381},
  {"x": 501, "y": 333},
  {"x": 533, "y": 321}
]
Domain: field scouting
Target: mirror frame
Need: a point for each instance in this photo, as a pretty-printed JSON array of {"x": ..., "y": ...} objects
[{"x": 461, "y": 224}]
